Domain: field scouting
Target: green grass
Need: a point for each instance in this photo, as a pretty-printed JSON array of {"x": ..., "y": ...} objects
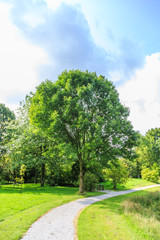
[
  {"x": 19, "y": 208},
  {"x": 132, "y": 183},
  {"x": 109, "y": 219},
  {"x": 147, "y": 205}
]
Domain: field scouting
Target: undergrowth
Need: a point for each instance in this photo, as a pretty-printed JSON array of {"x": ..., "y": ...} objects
[{"x": 147, "y": 205}]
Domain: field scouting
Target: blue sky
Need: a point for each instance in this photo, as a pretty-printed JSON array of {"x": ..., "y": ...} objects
[{"x": 118, "y": 39}]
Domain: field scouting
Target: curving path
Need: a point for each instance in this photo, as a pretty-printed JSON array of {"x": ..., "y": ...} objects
[{"x": 58, "y": 224}]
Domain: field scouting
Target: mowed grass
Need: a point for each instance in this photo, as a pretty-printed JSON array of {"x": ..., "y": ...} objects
[
  {"x": 20, "y": 207},
  {"x": 131, "y": 183},
  {"x": 134, "y": 216}
]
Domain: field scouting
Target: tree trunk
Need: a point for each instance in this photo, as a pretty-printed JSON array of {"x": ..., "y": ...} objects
[
  {"x": 138, "y": 170},
  {"x": 81, "y": 176},
  {"x": 114, "y": 185},
  {"x": 42, "y": 174},
  {"x": 35, "y": 176}
]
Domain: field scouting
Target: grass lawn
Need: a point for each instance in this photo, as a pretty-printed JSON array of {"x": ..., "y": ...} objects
[
  {"x": 19, "y": 208},
  {"x": 132, "y": 183},
  {"x": 108, "y": 219}
]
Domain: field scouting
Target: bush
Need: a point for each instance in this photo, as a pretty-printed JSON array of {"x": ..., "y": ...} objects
[
  {"x": 150, "y": 175},
  {"x": 90, "y": 181}
]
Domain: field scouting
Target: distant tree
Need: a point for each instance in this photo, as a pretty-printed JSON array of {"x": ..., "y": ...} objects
[
  {"x": 117, "y": 172},
  {"x": 83, "y": 111},
  {"x": 148, "y": 151},
  {"x": 6, "y": 115}
]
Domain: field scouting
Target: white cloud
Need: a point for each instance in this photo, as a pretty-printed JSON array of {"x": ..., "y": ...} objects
[
  {"x": 142, "y": 95},
  {"x": 115, "y": 76},
  {"x": 19, "y": 60},
  {"x": 54, "y": 4}
]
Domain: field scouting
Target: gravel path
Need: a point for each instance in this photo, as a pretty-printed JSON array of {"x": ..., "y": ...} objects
[{"x": 58, "y": 224}]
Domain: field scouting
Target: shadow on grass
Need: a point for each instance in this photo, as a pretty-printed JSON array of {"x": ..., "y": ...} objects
[{"x": 36, "y": 189}]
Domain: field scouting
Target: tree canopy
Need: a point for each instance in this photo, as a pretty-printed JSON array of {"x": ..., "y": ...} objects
[
  {"x": 83, "y": 110},
  {"x": 6, "y": 115},
  {"x": 148, "y": 150}
]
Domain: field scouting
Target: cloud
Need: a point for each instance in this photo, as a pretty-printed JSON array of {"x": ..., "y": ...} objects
[
  {"x": 39, "y": 42},
  {"x": 64, "y": 33},
  {"x": 142, "y": 95},
  {"x": 19, "y": 61},
  {"x": 126, "y": 61}
]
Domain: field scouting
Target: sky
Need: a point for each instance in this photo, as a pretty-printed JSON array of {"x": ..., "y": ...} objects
[{"x": 118, "y": 39}]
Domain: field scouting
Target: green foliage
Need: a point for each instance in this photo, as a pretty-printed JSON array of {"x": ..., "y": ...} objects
[
  {"x": 83, "y": 111},
  {"x": 148, "y": 151},
  {"x": 131, "y": 166},
  {"x": 19, "y": 180},
  {"x": 150, "y": 174},
  {"x": 59, "y": 175},
  {"x": 118, "y": 172},
  {"x": 6, "y": 116},
  {"x": 22, "y": 170},
  {"x": 90, "y": 182},
  {"x": 27, "y": 146}
]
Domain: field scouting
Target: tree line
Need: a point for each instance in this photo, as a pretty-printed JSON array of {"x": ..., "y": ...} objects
[{"x": 71, "y": 127}]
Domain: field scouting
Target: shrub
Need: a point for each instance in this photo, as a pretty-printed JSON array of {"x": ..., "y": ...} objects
[
  {"x": 90, "y": 181},
  {"x": 150, "y": 175}
]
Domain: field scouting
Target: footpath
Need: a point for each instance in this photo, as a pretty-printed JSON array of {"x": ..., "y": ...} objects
[{"x": 58, "y": 224}]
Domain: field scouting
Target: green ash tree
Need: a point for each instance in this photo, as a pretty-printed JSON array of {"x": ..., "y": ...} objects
[{"x": 83, "y": 111}]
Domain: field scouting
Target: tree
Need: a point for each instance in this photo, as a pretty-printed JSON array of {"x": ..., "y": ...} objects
[
  {"x": 118, "y": 172},
  {"x": 83, "y": 111},
  {"x": 148, "y": 151},
  {"x": 6, "y": 115},
  {"x": 27, "y": 145}
]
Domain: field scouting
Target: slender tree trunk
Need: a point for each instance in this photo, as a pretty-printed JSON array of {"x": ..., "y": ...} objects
[
  {"x": 81, "y": 176},
  {"x": 42, "y": 174},
  {"x": 138, "y": 170},
  {"x": 35, "y": 176},
  {"x": 114, "y": 184},
  {"x": 14, "y": 174}
]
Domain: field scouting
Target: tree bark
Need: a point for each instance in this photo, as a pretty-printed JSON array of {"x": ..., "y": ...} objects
[
  {"x": 42, "y": 174},
  {"x": 81, "y": 176}
]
